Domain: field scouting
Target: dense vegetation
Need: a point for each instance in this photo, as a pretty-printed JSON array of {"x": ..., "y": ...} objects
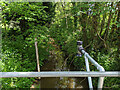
[{"x": 58, "y": 26}]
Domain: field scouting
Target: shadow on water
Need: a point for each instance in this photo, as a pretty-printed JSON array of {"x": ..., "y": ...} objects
[{"x": 58, "y": 82}]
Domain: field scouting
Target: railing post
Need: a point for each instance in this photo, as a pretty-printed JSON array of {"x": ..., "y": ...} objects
[
  {"x": 88, "y": 69},
  {"x": 100, "y": 68},
  {"x": 101, "y": 79},
  {"x": 79, "y": 43}
]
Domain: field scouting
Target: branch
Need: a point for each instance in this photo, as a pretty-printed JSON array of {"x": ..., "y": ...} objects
[
  {"x": 66, "y": 60},
  {"x": 88, "y": 45},
  {"x": 102, "y": 40}
]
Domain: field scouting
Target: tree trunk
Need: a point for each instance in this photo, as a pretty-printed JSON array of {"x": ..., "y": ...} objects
[
  {"x": 108, "y": 24},
  {"x": 75, "y": 18}
]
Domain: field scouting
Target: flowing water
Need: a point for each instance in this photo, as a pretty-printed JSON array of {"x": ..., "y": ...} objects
[{"x": 59, "y": 82}]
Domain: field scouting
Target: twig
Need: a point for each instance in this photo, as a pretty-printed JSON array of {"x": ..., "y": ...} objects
[
  {"x": 71, "y": 61},
  {"x": 88, "y": 45},
  {"x": 102, "y": 39},
  {"x": 83, "y": 80},
  {"x": 66, "y": 60}
]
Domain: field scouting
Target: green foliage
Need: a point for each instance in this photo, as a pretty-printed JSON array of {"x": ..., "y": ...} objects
[
  {"x": 96, "y": 24},
  {"x": 22, "y": 23},
  {"x": 108, "y": 62},
  {"x": 79, "y": 63},
  {"x": 16, "y": 82}
]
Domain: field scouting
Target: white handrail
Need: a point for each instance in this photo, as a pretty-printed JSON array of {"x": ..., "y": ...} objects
[
  {"x": 88, "y": 69},
  {"x": 60, "y": 74},
  {"x": 99, "y": 67}
]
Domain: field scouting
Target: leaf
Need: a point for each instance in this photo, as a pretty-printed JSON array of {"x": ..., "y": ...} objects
[{"x": 118, "y": 25}]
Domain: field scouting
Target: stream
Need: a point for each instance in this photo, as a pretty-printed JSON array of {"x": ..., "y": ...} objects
[
  {"x": 59, "y": 82},
  {"x": 56, "y": 82}
]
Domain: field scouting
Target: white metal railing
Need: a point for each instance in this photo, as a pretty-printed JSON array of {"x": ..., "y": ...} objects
[
  {"x": 60, "y": 74},
  {"x": 88, "y": 69},
  {"x": 101, "y": 74},
  {"x": 99, "y": 67}
]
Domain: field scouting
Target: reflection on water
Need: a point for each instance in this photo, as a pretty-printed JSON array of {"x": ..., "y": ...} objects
[
  {"x": 61, "y": 83},
  {"x": 58, "y": 82},
  {"x": 49, "y": 82}
]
